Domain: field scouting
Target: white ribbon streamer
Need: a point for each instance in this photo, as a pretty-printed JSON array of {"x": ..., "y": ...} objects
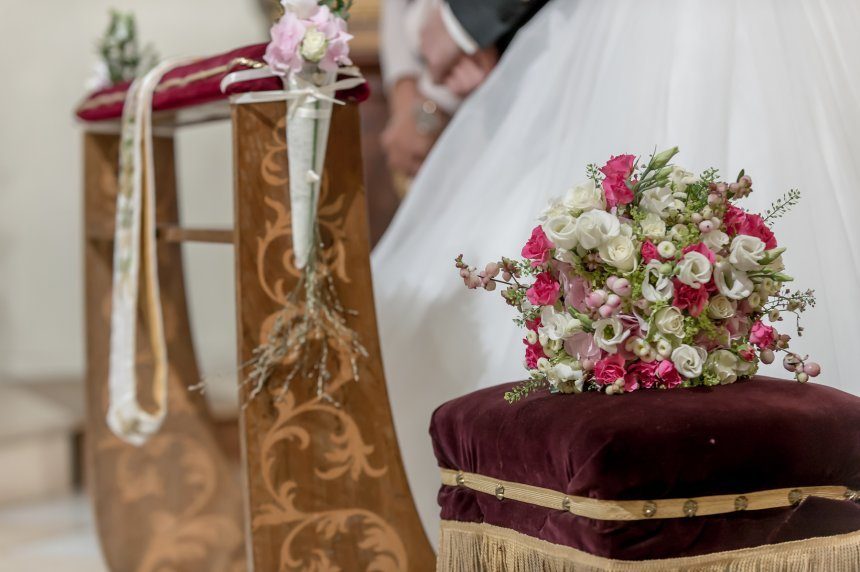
[{"x": 135, "y": 247}]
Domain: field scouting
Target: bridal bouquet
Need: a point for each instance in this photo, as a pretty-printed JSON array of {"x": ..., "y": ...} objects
[{"x": 647, "y": 276}]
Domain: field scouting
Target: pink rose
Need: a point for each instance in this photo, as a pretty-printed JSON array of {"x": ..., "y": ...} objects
[
  {"x": 537, "y": 248},
  {"x": 576, "y": 289},
  {"x": 649, "y": 252},
  {"x": 762, "y": 335},
  {"x": 544, "y": 291},
  {"x": 617, "y": 171},
  {"x": 689, "y": 298},
  {"x": 667, "y": 373},
  {"x": 534, "y": 352},
  {"x": 738, "y": 221},
  {"x": 641, "y": 374},
  {"x": 282, "y": 53},
  {"x": 747, "y": 354},
  {"x": 581, "y": 346},
  {"x": 609, "y": 369},
  {"x": 701, "y": 249}
]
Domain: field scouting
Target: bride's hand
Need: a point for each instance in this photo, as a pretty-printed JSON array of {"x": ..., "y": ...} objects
[{"x": 407, "y": 144}]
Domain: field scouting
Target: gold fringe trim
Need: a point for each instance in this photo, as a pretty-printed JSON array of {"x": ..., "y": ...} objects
[
  {"x": 477, "y": 547},
  {"x": 117, "y": 97},
  {"x": 642, "y": 509}
]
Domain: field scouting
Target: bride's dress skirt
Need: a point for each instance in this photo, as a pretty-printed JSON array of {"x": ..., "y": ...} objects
[{"x": 770, "y": 86}]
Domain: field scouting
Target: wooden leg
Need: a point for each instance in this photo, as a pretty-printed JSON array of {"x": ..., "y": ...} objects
[
  {"x": 173, "y": 504},
  {"x": 326, "y": 485}
]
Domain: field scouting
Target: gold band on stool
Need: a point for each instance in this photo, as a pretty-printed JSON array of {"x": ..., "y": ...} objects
[{"x": 641, "y": 509}]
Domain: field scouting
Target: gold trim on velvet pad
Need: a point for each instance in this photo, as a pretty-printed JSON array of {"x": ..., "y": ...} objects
[
  {"x": 641, "y": 509},
  {"x": 479, "y": 547}
]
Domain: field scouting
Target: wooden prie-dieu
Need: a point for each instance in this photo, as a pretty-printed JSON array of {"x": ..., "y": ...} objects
[{"x": 321, "y": 484}]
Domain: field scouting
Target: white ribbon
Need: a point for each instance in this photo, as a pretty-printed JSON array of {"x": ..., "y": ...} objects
[
  {"x": 310, "y": 97},
  {"x": 135, "y": 247}
]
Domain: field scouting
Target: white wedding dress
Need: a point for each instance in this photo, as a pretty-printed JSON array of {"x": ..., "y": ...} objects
[{"x": 772, "y": 86}]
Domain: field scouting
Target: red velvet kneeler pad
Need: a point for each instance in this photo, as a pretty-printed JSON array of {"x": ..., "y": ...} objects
[
  {"x": 751, "y": 436},
  {"x": 194, "y": 84}
]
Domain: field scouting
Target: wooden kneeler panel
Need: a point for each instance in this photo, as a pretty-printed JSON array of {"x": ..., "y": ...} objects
[
  {"x": 326, "y": 486},
  {"x": 175, "y": 503}
]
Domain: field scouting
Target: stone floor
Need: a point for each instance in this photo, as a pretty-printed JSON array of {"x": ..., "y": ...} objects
[{"x": 49, "y": 536}]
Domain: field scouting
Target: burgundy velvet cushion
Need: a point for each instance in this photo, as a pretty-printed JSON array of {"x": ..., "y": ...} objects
[
  {"x": 750, "y": 436},
  {"x": 107, "y": 104}
]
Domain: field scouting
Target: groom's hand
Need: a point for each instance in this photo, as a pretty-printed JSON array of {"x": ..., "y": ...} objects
[{"x": 438, "y": 48}]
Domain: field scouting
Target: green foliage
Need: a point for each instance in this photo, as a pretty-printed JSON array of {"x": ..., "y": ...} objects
[
  {"x": 338, "y": 7},
  {"x": 782, "y": 206},
  {"x": 710, "y": 176},
  {"x": 523, "y": 389},
  {"x": 120, "y": 49}
]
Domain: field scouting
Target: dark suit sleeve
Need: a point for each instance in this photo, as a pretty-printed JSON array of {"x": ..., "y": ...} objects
[{"x": 490, "y": 22}]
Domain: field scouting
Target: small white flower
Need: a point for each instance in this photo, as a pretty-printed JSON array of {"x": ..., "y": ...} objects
[
  {"x": 662, "y": 288},
  {"x": 715, "y": 240},
  {"x": 657, "y": 201},
  {"x": 694, "y": 269},
  {"x": 746, "y": 251},
  {"x": 585, "y": 197},
  {"x": 557, "y": 325},
  {"x": 304, "y": 9},
  {"x": 596, "y": 227},
  {"x": 609, "y": 333},
  {"x": 666, "y": 249},
  {"x": 681, "y": 179},
  {"x": 689, "y": 360},
  {"x": 314, "y": 45},
  {"x": 663, "y": 347},
  {"x": 531, "y": 337},
  {"x": 724, "y": 365},
  {"x": 731, "y": 282},
  {"x": 721, "y": 308},
  {"x": 566, "y": 370},
  {"x": 669, "y": 321},
  {"x": 653, "y": 226},
  {"x": 620, "y": 252},
  {"x": 561, "y": 230}
]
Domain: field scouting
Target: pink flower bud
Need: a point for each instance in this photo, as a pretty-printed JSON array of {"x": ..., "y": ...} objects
[
  {"x": 605, "y": 311},
  {"x": 706, "y": 226},
  {"x": 802, "y": 377},
  {"x": 490, "y": 286},
  {"x": 464, "y": 273},
  {"x": 696, "y": 218},
  {"x": 714, "y": 199},
  {"x": 613, "y": 300},
  {"x": 812, "y": 369},
  {"x": 622, "y": 287},
  {"x": 766, "y": 356},
  {"x": 596, "y": 299},
  {"x": 610, "y": 281},
  {"x": 492, "y": 270},
  {"x": 587, "y": 364},
  {"x": 506, "y": 276}
]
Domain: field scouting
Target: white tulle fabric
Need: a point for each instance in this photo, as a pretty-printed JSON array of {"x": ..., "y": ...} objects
[{"x": 770, "y": 86}]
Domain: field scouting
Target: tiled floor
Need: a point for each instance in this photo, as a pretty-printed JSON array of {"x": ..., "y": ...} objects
[{"x": 49, "y": 537}]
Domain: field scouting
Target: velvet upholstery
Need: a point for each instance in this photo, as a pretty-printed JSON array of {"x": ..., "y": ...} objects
[
  {"x": 750, "y": 436},
  {"x": 198, "y": 92}
]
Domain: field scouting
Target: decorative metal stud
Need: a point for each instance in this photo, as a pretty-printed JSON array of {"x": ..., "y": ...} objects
[
  {"x": 500, "y": 492},
  {"x": 795, "y": 496},
  {"x": 461, "y": 479},
  {"x": 741, "y": 503},
  {"x": 565, "y": 504},
  {"x": 649, "y": 509},
  {"x": 690, "y": 508}
]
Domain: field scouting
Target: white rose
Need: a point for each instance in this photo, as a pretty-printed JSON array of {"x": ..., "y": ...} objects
[
  {"x": 689, "y": 360},
  {"x": 596, "y": 227},
  {"x": 661, "y": 289},
  {"x": 746, "y": 251},
  {"x": 609, "y": 333},
  {"x": 721, "y": 308},
  {"x": 656, "y": 200},
  {"x": 620, "y": 252},
  {"x": 724, "y": 365},
  {"x": 681, "y": 179},
  {"x": 731, "y": 282},
  {"x": 669, "y": 321},
  {"x": 554, "y": 208},
  {"x": 561, "y": 230},
  {"x": 694, "y": 269},
  {"x": 585, "y": 197},
  {"x": 557, "y": 325},
  {"x": 653, "y": 226},
  {"x": 715, "y": 240},
  {"x": 666, "y": 249},
  {"x": 314, "y": 45}
]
